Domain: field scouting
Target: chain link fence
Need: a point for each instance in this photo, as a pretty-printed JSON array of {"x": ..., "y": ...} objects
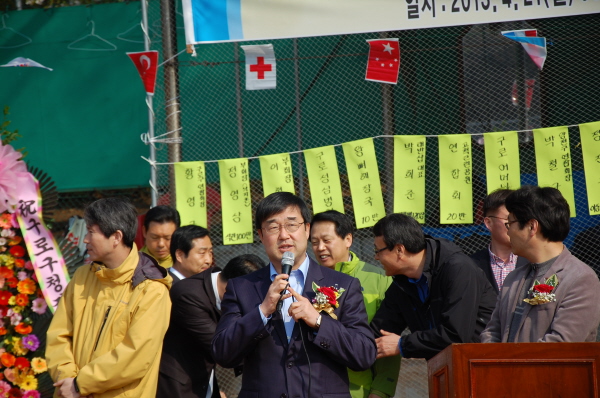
[{"x": 464, "y": 79}]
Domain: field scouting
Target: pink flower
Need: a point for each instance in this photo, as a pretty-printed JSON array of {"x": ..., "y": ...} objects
[
  {"x": 31, "y": 394},
  {"x": 11, "y": 168},
  {"x": 2, "y": 282},
  {"x": 15, "y": 319},
  {"x": 39, "y": 306},
  {"x": 9, "y": 373},
  {"x": 4, "y": 388},
  {"x": 28, "y": 265},
  {"x": 22, "y": 275}
]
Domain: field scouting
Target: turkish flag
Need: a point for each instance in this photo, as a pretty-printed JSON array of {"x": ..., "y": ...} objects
[
  {"x": 384, "y": 61},
  {"x": 146, "y": 63}
]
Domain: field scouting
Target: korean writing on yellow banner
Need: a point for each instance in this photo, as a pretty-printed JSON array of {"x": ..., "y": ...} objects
[
  {"x": 502, "y": 167},
  {"x": 324, "y": 179},
  {"x": 236, "y": 202},
  {"x": 365, "y": 186},
  {"x": 456, "y": 179},
  {"x": 590, "y": 146},
  {"x": 553, "y": 161},
  {"x": 276, "y": 171},
  {"x": 409, "y": 176},
  {"x": 190, "y": 191}
]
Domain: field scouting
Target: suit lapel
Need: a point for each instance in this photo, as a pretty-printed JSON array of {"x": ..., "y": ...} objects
[
  {"x": 556, "y": 268},
  {"x": 262, "y": 288},
  {"x": 315, "y": 275},
  {"x": 210, "y": 291}
]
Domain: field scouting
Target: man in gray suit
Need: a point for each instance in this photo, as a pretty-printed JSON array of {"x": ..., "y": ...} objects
[{"x": 555, "y": 298}]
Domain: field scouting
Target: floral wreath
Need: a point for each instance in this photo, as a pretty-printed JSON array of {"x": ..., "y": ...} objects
[
  {"x": 20, "y": 300},
  {"x": 326, "y": 298}
]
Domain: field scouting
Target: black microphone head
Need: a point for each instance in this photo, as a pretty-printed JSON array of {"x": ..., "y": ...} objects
[{"x": 287, "y": 262}]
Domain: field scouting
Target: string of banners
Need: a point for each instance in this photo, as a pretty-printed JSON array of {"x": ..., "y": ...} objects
[{"x": 553, "y": 163}]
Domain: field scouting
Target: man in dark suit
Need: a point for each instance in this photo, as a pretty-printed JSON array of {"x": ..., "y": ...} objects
[
  {"x": 192, "y": 252},
  {"x": 497, "y": 259},
  {"x": 298, "y": 351},
  {"x": 186, "y": 366}
]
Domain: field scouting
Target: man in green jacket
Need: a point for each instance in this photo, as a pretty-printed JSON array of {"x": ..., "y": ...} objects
[{"x": 331, "y": 238}]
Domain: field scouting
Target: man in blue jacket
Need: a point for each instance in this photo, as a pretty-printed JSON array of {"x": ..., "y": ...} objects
[{"x": 296, "y": 351}]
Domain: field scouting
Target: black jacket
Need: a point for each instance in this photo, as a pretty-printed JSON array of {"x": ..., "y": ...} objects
[
  {"x": 482, "y": 260},
  {"x": 186, "y": 363},
  {"x": 459, "y": 306}
]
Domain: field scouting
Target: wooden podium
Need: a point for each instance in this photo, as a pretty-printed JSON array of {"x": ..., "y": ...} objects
[{"x": 514, "y": 370}]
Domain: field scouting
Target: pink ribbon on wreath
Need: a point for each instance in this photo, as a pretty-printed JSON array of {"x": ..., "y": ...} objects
[{"x": 48, "y": 262}]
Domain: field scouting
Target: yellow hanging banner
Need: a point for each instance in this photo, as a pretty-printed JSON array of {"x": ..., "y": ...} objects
[
  {"x": 324, "y": 179},
  {"x": 236, "y": 202},
  {"x": 365, "y": 187},
  {"x": 590, "y": 146},
  {"x": 190, "y": 191},
  {"x": 409, "y": 176},
  {"x": 553, "y": 161},
  {"x": 456, "y": 184},
  {"x": 276, "y": 172},
  {"x": 502, "y": 167}
]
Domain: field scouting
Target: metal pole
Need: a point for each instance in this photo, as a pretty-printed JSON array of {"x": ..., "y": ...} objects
[
  {"x": 171, "y": 78},
  {"x": 153, "y": 192},
  {"x": 298, "y": 119},
  {"x": 387, "y": 108},
  {"x": 238, "y": 100}
]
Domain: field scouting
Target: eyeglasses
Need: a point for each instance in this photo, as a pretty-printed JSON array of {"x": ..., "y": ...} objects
[
  {"x": 290, "y": 227},
  {"x": 377, "y": 251},
  {"x": 499, "y": 218},
  {"x": 507, "y": 224}
]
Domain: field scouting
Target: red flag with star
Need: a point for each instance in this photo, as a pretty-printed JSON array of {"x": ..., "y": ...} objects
[
  {"x": 384, "y": 61},
  {"x": 146, "y": 62}
]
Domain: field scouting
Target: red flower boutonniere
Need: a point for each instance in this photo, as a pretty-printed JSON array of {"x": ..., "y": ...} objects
[
  {"x": 541, "y": 293},
  {"x": 327, "y": 298}
]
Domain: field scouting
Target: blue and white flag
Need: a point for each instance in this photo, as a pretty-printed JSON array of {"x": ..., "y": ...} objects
[{"x": 534, "y": 45}]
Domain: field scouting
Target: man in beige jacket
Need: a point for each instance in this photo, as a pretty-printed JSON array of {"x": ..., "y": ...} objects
[
  {"x": 106, "y": 336},
  {"x": 554, "y": 298}
]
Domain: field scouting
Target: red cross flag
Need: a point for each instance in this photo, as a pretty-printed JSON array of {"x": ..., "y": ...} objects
[
  {"x": 146, "y": 63},
  {"x": 260, "y": 67},
  {"x": 384, "y": 61}
]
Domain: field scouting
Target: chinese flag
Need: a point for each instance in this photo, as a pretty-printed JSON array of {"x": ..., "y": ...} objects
[
  {"x": 384, "y": 61},
  {"x": 146, "y": 63}
]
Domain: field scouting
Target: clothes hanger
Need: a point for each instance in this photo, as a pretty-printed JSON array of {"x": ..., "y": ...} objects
[
  {"x": 4, "y": 27},
  {"x": 74, "y": 45},
  {"x": 122, "y": 35}
]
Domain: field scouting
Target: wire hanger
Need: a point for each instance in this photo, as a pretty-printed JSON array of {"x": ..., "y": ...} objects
[
  {"x": 4, "y": 27},
  {"x": 123, "y": 35},
  {"x": 74, "y": 45}
]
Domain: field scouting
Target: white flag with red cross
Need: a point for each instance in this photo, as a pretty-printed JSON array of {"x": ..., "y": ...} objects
[
  {"x": 146, "y": 62},
  {"x": 260, "y": 67}
]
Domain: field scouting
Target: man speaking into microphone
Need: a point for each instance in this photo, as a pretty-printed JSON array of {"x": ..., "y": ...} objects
[{"x": 321, "y": 329}]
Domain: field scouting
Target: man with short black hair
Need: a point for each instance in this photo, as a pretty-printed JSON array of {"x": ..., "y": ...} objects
[
  {"x": 187, "y": 367},
  {"x": 497, "y": 259},
  {"x": 331, "y": 236},
  {"x": 107, "y": 332},
  {"x": 192, "y": 251},
  {"x": 555, "y": 298},
  {"x": 160, "y": 223},
  {"x": 297, "y": 351},
  {"x": 438, "y": 292}
]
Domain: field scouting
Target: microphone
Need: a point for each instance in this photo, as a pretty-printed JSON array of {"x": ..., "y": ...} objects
[{"x": 287, "y": 262}]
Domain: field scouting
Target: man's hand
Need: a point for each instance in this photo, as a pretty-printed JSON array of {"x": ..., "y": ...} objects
[
  {"x": 269, "y": 304},
  {"x": 303, "y": 309},
  {"x": 387, "y": 344},
  {"x": 66, "y": 388}
]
